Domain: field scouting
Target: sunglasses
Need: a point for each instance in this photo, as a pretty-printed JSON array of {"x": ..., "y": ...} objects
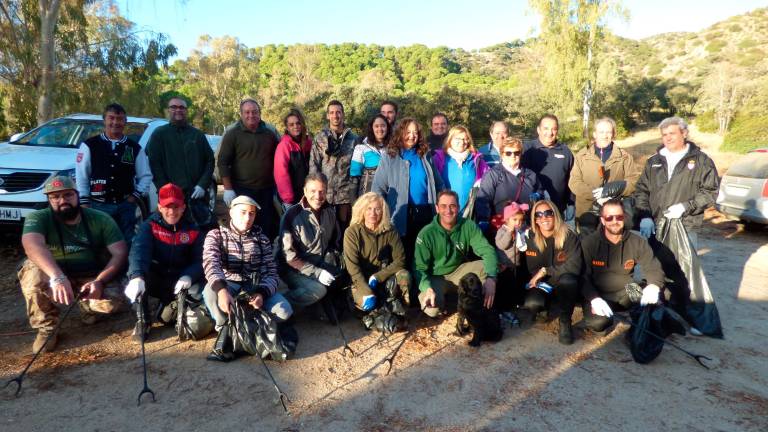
[
  {"x": 610, "y": 218},
  {"x": 512, "y": 153},
  {"x": 545, "y": 213}
]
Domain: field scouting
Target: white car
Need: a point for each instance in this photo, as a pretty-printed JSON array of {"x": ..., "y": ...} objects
[{"x": 29, "y": 159}]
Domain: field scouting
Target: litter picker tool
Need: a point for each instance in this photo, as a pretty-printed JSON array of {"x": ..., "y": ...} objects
[
  {"x": 146, "y": 388},
  {"x": 698, "y": 357},
  {"x": 23, "y": 373},
  {"x": 284, "y": 399},
  {"x": 330, "y": 307}
]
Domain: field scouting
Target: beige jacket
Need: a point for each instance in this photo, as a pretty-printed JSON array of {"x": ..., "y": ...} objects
[{"x": 585, "y": 175}]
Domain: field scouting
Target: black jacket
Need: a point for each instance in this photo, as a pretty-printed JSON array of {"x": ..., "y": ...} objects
[
  {"x": 170, "y": 250},
  {"x": 553, "y": 167},
  {"x": 499, "y": 187},
  {"x": 694, "y": 183},
  {"x": 610, "y": 266},
  {"x": 556, "y": 261}
]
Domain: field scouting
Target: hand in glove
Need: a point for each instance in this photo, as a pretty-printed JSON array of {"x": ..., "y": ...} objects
[
  {"x": 229, "y": 195},
  {"x": 326, "y": 278},
  {"x": 647, "y": 228},
  {"x": 650, "y": 295},
  {"x": 675, "y": 211},
  {"x": 183, "y": 283},
  {"x": 520, "y": 243},
  {"x": 197, "y": 193},
  {"x": 597, "y": 193},
  {"x": 134, "y": 289},
  {"x": 369, "y": 302},
  {"x": 372, "y": 282},
  {"x": 601, "y": 201},
  {"x": 600, "y": 307}
]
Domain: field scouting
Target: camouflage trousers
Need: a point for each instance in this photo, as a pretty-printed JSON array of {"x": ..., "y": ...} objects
[{"x": 42, "y": 311}]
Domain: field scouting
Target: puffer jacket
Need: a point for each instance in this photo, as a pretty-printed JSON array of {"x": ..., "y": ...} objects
[
  {"x": 335, "y": 163},
  {"x": 366, "y": 252},
  {"x": 229, "y": 255},
  {"x": 291, "y": 168},
  {"x": 499, "y": 187},
  {"x": 694, "y": 183},
  {"x": 171, "y": 250},
  {"x": 307, "y": 237},
  {"x": 585, "y": 175}
]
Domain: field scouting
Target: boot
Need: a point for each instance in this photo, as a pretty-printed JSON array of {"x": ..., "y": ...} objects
[
  {"x": 565, "y": 333},
  {"x": 222, "y": 348},
  {"x": 42, "y": 335},
  {"x": 143, "y": 324}
]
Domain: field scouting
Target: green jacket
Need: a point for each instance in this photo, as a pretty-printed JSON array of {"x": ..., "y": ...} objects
[
  {"x": 247, "y": 157},
  {"x": 439, "y": 252},
  {"x": 180, "y": 155},
  {"x": 366, "y": 252}
]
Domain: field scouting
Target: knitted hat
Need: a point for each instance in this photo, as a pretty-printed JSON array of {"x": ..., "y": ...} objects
[{"x": 513, "y": 209}]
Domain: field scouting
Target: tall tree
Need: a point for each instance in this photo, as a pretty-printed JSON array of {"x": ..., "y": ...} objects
[{"x": 571, "y": 35}]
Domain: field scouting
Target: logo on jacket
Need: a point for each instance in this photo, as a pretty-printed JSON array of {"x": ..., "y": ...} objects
[
  {"x": 561, "y": 257},
  {"x": 531, "y": 253},
  {"x": 128, "y": 156},
  {"x": 598, "y": 263},
  {"x": 183, "y": 238},
  {"x": 691, "y": 164},
  {"x": 629, "y": 264}
]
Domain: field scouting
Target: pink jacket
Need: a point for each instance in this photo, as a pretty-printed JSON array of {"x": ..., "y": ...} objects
[{"x": 291, "y": 167}]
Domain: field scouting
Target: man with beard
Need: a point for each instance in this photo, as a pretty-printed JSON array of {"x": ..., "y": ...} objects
[
  {"x": 179, "y": 154},
  {"x": 611, "y": 256},
  {"x": 66, "y": 246}
]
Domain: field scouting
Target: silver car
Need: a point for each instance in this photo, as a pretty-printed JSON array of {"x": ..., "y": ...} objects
[
  {"x": 744, "y": 189},
  {"x": 31, "y": 158}
]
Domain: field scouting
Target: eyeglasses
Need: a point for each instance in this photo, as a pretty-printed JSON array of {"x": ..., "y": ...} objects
[
  {"x": 512, "y": 153},
  {"x": 546, "y": 213},
  {"x": 610, "y": 218},
  {"x": 177, "y": 107}
]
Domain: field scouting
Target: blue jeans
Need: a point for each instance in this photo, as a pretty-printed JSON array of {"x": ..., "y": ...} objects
[
  {"x": 275, "y": 304},
  {"x": 124, "y": 215},
  {"x": 304, "y": 290}
]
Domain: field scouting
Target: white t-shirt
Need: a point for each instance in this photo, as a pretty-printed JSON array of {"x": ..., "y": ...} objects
[{"x": 673, "y": 158}]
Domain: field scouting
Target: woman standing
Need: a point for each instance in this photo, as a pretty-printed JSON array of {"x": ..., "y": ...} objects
[
  {"x": 460, "y": 165},
  {"x": 292, "y": 159},
  {"x": 408, "y": 182},
  {"x": 366, "y": 155},
  {"x": 553, "y": 257},
  {"x": 596, "y": 166},
  {"x": 505, "y": 183}
]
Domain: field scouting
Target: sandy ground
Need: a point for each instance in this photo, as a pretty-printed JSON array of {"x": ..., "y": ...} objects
[{"x": 526, "y": 382}]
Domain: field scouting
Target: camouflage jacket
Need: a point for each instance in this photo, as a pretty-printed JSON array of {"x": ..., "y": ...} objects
[{"x": 334, "y": 161}]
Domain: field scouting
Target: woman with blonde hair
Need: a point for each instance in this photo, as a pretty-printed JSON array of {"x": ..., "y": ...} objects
[
  {"x": 375, "y": 257},
  {"x": 553, "y": 257},
  {"x": 460, "y": 165}
]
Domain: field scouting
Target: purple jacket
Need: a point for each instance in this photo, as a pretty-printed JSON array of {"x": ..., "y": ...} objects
[{"x": 439, "y": 156}]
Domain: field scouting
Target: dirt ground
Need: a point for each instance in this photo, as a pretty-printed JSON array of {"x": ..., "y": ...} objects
[{"x": 526, "y": 382}]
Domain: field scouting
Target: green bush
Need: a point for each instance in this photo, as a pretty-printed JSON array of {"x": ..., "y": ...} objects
[
  {"x": 706, "y": 122},
  {"x": 747, "y": 43},
  {"x": 716, "y": 46},
  {"x": 734, "y": 28},
  {"x": 747, "y": 133}
]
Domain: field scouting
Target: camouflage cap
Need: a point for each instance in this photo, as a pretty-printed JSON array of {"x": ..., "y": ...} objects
[{"x": 59, "y": 183}]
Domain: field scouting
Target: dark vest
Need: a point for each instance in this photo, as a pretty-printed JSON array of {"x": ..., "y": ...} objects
[{"x": 112, "y": 171}]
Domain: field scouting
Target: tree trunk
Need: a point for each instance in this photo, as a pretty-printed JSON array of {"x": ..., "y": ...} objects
[{"x": 49, "y": 15}]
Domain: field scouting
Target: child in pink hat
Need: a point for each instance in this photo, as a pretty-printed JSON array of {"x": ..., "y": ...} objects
[{"x": 510, "y": 246}]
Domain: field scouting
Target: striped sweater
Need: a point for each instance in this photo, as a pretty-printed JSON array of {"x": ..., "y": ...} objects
[{"x": 234, "y": 257}]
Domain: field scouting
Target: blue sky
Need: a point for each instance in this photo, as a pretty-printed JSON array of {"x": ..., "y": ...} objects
[{"x": 453, "y": 23}]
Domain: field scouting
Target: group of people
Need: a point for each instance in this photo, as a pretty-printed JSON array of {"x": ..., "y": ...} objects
[{"x": 394, "y": 214}]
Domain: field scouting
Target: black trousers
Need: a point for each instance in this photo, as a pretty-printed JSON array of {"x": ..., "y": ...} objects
[
  {"x": 565, "y": 293},
  {"x": 510, "y": 288}
]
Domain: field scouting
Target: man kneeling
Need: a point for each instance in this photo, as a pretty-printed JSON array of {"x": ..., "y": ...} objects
[
  {"x": 238, "y": 258},
  {"x": 165, "y": 259},
  {"x": 611, "y": 255}
]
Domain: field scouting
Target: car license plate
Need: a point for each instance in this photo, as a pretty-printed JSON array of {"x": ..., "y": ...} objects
[
  {"x": 10, "y": 214},
  {"x": 737, "y": 191}
]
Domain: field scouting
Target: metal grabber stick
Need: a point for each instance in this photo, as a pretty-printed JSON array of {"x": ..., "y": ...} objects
[{"x": 146, "y": 388}]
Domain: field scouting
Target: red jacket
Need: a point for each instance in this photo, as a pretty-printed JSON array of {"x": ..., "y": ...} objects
[{"x": 291, "y": 168}]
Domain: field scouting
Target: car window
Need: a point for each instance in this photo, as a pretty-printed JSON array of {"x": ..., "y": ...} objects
[
  {"x": 753, "y": 165},
  {"x": 70, "y": 133}
]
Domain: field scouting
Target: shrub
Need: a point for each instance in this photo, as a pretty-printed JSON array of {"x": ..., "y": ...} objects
[
  {"x": 734, "y": 28},
  {"x": 747, "y": 133},
  {"x": 747, "y": 43},
  {"x": 706, "y": 122},
  {"x": 716, "y": 46}
]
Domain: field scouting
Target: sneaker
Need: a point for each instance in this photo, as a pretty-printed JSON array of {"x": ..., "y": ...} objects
[
  {"x": 565, "y": 333},
  {"x": 136, "y": 334},
  {"x": 39, "y": 343}
]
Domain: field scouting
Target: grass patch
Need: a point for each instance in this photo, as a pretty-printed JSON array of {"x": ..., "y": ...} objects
[{"x": 747, "y": 133}]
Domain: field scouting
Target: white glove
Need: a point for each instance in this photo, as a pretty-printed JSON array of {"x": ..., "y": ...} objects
[
  {"x": 326, "y": 278},
  {"x": 675, "y": 211},
  {"x": 597, "y": 193},
  {"x": 650, "y": 295},
  {"x": 134, "y": 289},
  {"x": 602, "y": 201},
  {"x": 229, "y": 195},
  {"x": 197, "y": 193},
  {"x": 647, "y": 228},
  {"x": 600, "y": 307},
  {"x": 520, "y": 243},
  {"x": 183, "y": 283}
]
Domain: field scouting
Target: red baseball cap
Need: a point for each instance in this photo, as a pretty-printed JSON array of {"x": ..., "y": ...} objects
[{"x": 170, "y": 194}]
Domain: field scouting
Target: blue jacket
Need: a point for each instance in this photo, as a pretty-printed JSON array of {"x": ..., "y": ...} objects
[
  {"x": 171, "y": 250},
  {"x": 491, "y": 156},
  {"x": 391, "y": 182}
]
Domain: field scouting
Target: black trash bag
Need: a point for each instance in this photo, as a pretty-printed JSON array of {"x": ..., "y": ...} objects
[
  {"x": 193, "y": 321},
  {"x": 390, "y": 316},
  {"x": 691, "y": 296},
  {"x": 256, "y": 332},
  {"x": 651, "y": 324}
]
